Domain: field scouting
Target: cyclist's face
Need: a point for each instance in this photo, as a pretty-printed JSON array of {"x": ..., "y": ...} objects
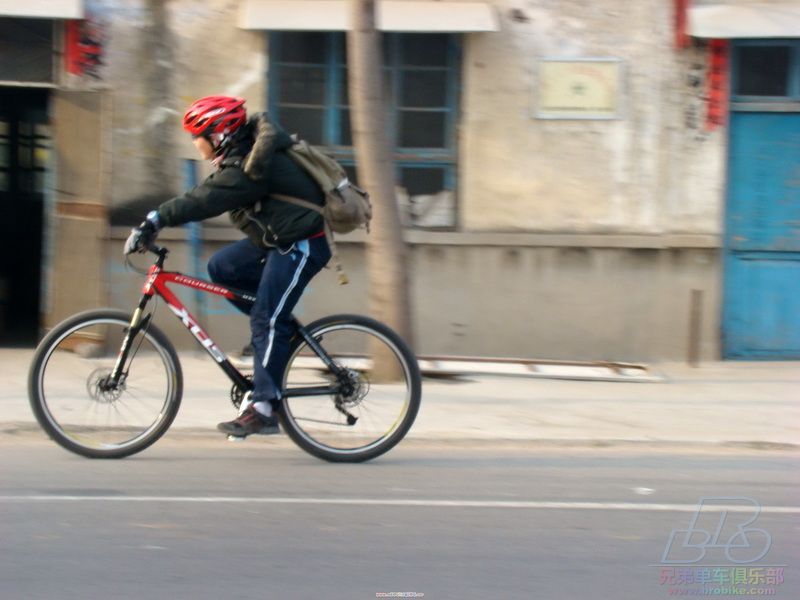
[{"x": 204, "y": 147}]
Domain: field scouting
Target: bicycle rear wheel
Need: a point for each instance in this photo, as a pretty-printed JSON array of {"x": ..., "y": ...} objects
[
  {"x": 377, "y": 411},
  {"x": 73, "y": 402}
]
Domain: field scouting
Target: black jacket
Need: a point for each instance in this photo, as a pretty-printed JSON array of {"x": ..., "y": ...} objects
[{"x": 255, "y": 166}]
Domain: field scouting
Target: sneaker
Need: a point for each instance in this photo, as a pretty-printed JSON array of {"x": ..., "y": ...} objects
[{"x": 250, "y": 422}]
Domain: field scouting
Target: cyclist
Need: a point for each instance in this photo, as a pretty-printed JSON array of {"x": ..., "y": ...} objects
[{"x": 285, "y": 245}]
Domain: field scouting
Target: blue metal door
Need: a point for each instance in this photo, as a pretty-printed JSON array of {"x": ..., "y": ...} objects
[{"x": 761, "y": 313}]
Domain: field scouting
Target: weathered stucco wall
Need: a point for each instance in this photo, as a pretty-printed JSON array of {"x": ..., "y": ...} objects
[
  {"x": 495, "y": 295},
  {"x": 653, "y": 170},
  {"x": 162, "y": 55}
]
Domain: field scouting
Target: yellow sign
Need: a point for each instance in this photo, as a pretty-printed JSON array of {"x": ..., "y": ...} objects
[{"x": 579, "y": 89}]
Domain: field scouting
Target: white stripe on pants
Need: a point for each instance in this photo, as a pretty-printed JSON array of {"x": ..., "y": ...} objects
[{"x": 303, "y": 247}]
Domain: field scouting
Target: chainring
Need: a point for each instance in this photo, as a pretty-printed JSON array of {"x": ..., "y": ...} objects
[{"x": 237, "y": 393}]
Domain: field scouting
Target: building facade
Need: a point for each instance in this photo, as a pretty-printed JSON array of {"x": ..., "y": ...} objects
[{"x": 571, "y": 174}]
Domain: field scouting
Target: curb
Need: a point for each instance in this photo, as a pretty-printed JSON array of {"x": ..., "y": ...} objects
[{"x": 458, "y": 366}]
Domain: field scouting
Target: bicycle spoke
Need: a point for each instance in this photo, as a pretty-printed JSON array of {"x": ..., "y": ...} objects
[
  {"x": 308, "y": 420},
  {"x": 129, "y": 407}
]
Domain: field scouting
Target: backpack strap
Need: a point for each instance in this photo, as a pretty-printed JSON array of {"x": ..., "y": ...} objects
[
  {"x": 298, "y": 202},
  {"x": 343, "y": 280}
]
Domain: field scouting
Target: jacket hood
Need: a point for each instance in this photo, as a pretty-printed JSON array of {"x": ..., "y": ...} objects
[{"x": 268, "y": 138}]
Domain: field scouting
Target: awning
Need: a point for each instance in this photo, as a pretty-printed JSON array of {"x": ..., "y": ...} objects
[
  {"x": 720, "y": 21},
  {"x": 393, "y": 15},
  {"x": 43, "y": 9}
]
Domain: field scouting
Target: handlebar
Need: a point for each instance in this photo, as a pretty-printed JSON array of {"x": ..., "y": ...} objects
[
  {"x": 156, "y": 249},
  {"x": 159, "y": 251}
]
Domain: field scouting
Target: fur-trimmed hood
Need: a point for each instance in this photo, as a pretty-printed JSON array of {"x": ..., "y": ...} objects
[{"x": 267, "y": 138}]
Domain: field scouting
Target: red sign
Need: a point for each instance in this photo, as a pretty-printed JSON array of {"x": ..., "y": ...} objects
[
  {"x": 681, "y": 22},
  {"x": 717, "y": 80},
  {"x": 83, "y": 48}
]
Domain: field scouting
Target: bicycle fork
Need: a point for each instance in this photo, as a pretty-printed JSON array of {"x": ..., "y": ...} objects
[{"x": 138, "y": 322}]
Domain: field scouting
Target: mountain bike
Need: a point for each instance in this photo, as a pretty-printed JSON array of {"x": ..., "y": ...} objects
[{"x": 108, "y": 384}]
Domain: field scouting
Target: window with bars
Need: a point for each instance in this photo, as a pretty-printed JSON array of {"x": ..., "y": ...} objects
[
  {"x": 766, "y": 70},
  {"x": 308, "y": 95},
  {"x": 5, "y": 151},
  {"x": 24, "y": 156},
  {"x": 26, "y": 50}
]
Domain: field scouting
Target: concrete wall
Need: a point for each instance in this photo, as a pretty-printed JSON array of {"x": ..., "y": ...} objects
[
  {"x": 508, "y": 295},
  {"x": 77, "y": 222},
  {"x": 653, "y": 170}
]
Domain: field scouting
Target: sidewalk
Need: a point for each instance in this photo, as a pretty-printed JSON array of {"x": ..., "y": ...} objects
[{"x": 753, "y": 403}]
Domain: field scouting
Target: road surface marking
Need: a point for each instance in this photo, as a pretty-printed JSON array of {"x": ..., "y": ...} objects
[{"x": 432, "y": 503}]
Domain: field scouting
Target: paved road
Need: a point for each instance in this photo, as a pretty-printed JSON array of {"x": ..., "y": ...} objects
[{"x": 197, "y": 517}]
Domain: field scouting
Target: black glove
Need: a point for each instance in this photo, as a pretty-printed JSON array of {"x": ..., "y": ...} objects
[{"x": 143, "y": 236}]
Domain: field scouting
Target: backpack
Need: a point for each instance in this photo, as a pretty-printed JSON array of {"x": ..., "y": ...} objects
[{"x": 346, "y": 206}]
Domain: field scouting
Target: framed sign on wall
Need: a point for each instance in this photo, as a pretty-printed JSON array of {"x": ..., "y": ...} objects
[{"x": 579, "y": 88}]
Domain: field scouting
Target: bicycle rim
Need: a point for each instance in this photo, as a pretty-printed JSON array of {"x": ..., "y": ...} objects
[
  {"x": 74, "y": 403},
  {"x": 382, "y": 404}
]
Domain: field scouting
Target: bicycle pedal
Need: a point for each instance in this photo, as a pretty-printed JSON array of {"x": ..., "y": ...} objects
[{"x": 236, "y": 438}]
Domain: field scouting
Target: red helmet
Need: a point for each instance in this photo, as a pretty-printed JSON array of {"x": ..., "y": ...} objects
[{"x": 215, "y": 114}]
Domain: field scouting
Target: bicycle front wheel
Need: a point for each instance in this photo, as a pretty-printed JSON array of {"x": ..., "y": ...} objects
[
  {"x": 381, "y": 401},
  {"x": 70, "y": 394}
]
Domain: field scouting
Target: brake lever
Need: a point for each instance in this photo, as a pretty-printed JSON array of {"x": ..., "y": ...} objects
[{"x": 129, "y": 263}]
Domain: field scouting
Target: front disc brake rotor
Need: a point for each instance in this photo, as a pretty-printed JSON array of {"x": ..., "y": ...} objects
[{"x": 98, "y": 388}]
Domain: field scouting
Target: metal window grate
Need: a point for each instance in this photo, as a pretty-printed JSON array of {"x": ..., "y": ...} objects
[
  {"x": 308, "y": 95},
  {"x": 766, "y": 70},
  {"x": 26, "y": 50}
]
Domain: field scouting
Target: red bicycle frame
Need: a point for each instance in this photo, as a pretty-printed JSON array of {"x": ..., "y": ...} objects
[{"x": 156, "y": 283}]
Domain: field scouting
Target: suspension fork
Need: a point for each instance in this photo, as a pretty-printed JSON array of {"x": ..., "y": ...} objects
[{"x": 138, "y": 322}]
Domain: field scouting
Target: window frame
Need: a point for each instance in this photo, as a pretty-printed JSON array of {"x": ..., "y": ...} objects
[
  {"x": 793, "y": 82},
  {"x": 54, "y": 42},
  {"x": 445, "y": 158}
]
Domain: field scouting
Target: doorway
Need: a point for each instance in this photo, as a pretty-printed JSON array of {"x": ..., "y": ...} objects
[
  {"x": 761, "y": 311},
  {"x": 24, "y": 156}
]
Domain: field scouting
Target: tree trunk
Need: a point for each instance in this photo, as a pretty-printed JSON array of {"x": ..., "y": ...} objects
[
  {"x": 158, "y": 59},
  {"x": 386, "y": 251}
]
